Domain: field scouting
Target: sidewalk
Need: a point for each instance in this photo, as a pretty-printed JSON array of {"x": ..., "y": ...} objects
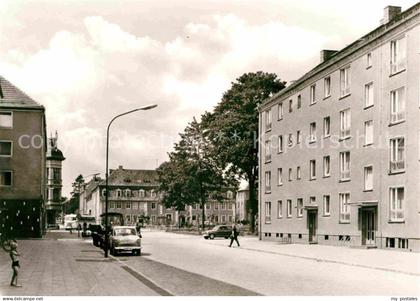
[
  {"x": 65, "y": 265},
  {"x": 380, "y": 259}
]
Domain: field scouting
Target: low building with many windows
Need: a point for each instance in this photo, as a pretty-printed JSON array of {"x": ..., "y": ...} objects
[
  {"x": 134, "y": 193},
  {"x": 342, "y": 165}
]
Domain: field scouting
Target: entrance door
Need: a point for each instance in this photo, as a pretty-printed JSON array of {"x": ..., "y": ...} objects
[
  {"x": 312, "y": 214},
  {"x": 368, "y": 229}
]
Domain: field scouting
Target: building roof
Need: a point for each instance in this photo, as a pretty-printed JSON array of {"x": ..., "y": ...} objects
[
  {"x": 132, "y": 177},
  {"x": 346, "y": 51},
  {"x": 13, "y": 97}
]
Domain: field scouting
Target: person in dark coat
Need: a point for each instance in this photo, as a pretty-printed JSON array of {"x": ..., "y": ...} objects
[{"x": 234, "y": 236}]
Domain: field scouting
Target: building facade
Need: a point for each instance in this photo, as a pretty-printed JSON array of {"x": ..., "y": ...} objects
[
  {"x": 242, "y": 211},
  {"x": 54, "y": 181},
  {"x": 134, "y": 193},
  {"x": 22, "y": 163},
  {"x": 340, "y": 147}
]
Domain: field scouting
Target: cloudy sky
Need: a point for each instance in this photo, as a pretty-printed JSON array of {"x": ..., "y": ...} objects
[{"x": 87, "y": 61}]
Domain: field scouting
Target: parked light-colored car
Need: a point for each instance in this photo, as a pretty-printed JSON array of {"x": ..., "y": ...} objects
[{"x": 125, "y": 239}]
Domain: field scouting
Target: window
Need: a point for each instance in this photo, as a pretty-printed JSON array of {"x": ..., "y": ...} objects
[
  {"x": 279, "y": 209},
  {"x": 223, "y": 206},
  {"x": 398, "y": 105},
  {"x": 327, "y": 126},
  {"x": 267, "y": 151},
  {"x": 289, "y": 208},
  {"x": 279, "y": 176},
  {"x": 267, "y": 181},
  {"x": 298, "y": 137},
  {"x": 268, "y": 120},
  {"x": 368, "y": 173},
  {"x": 298, "y": 176},
  {"x": 280, "y": 111},
  {"x": 5, "y": 148},
  {"x": 154, "y": 205},
  {"x": 280, "y": 144},
  {"x": 299, "y": 207},
  {"x": 326, "y": 205},
  {"x": 127, "y": 193},
  {"x": 397, "y": 155},
  {"x": 344, "y": 207},
  {"x": 229, "y": 194},
  {"x": 119, "y": 205},
  {"x": 345, "y": 81},
  {"x": 369, "y": 95},
  {"x": 5, "y": 178},
  {"x": 312, "y": 132},
  {"x": 152, "y": 194},
  {"x": 398, "y": 55},
  {"x": 141, "y": 193},
  {"x": 327, "y": 87},
  {"x": 369, "y": 132},
  {"x": 290, "y": 140},
  {"x": 344, "y": 166},
  {"x": 326, "y": 166},
  {"x": 290, "y": 105},
  {"x": 103, "y": 192},
  {"x": 396, "y": 204},
  {"x": 111, "y": 205},
  {"x": 267, "y": 212},
  {"x": 216, "y": 206},
  {"x": 369, "y": 60},
  {"x": 290, "y": 174},
  {"x": 119, "y": 193},
  {"x": 312, "y": 170},
  {"x": 299, "y": 101},
  {"x": 6, "y": 119},
  {"x": 208, "y": 206},
  {"x": 312, "y": 99},
  {"x": 345, "y": 124},
  {"x": 312, "y": 199},
  {"x": 127, "y": 205}
]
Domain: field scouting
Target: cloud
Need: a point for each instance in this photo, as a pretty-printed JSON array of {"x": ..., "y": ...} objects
[{"x": 85, "y": 78}]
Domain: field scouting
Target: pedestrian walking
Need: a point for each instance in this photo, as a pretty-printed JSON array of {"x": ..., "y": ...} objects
[
  {"x": 234, "y": 236},
  {"x": 11, "y": 247}
]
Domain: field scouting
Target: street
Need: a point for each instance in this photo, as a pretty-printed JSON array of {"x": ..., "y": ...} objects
[
  {"x": 178, "y": 264},
  {"x": 267, "y": 273}
]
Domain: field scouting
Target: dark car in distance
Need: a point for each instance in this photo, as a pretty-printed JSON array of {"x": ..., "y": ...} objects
[{"x": 218, "y": 231}]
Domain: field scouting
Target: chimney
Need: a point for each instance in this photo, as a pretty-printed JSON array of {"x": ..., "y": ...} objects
[
  {"x": 390, "y": 12},
  {"x": 327, "y": 54}
]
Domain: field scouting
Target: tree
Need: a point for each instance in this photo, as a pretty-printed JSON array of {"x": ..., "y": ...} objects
[
  {"x": 233, "y": 128},
  {"x": 73, "y": 204},
  {"x": 191, "y": 176}
]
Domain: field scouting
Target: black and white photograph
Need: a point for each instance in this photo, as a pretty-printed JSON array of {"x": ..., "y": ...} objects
[{"x": 209, "y": 148}]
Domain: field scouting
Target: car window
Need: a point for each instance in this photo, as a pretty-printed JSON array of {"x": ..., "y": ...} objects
[{"x": 125, "y": 231}]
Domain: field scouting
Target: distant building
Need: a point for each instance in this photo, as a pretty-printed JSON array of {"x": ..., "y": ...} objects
[
  {"x": 22, "y": 163},
  {"x": 242, "y": 212},
  {"x": 134, "y": 193},
  {"x": 340, "y": 151},
  {"x": 54, "y": 180}
]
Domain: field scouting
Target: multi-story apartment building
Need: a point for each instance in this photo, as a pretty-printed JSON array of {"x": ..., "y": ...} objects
[
  {"x": 134, "y": 193},
  {"x": 22, "y": 163},
  {"x": 340, "y": 147},
  {"x": 242, "y": 212},
  {"x": 54, "y": 180}
]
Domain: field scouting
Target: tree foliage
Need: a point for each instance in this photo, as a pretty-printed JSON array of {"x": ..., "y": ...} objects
[
  {"x": 191, "y": 176},
  {"x": 233, "y": 128}
]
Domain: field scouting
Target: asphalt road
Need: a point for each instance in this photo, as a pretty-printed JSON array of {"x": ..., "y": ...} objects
[{"x": 190, "y": 265}]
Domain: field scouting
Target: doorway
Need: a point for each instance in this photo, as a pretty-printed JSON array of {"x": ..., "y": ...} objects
[
  {"x": 312, "y": 225},
  {"x": 368, "y": 227}
]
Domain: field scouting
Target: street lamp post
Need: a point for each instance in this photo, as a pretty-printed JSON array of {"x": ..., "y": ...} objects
[{"x": 149, "y": 107}]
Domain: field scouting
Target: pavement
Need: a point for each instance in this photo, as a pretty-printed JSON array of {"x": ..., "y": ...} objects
[{"x": 61, "y": 264}]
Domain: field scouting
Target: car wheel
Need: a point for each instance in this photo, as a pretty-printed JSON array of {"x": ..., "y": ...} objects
[
  {"x": 226, "y": 237},
  {"x": 211, "y": 236}
]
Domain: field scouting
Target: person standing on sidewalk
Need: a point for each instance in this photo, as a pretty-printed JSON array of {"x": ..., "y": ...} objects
[
  {"x": 15, "y": 262},
  {"x": 234, "y": 236}
]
